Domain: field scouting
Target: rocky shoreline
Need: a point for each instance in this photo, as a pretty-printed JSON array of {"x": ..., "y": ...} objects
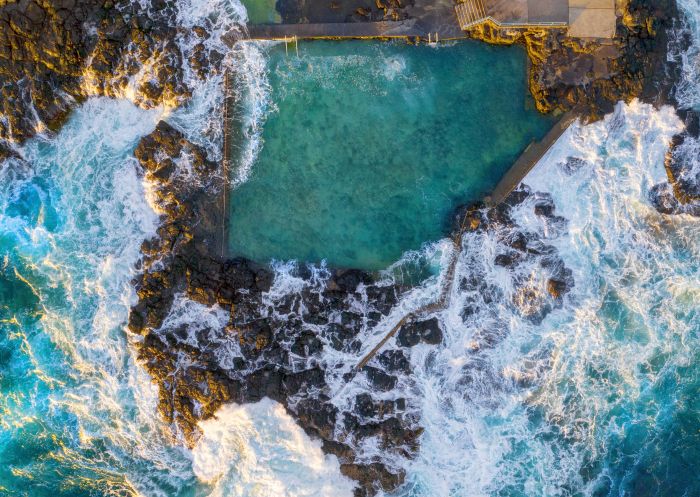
[
  {"x": 55, "y": 54},
  {"x": 594, "y": 75},
  {"x": 276, "y": 342}
]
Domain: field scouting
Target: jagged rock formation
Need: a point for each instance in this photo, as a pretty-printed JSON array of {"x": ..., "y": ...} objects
[{"x": 681, "y": 194}]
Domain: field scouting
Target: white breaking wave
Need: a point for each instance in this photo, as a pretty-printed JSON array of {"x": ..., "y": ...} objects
[
  {"x": 201, "y": 118},
  {"x": 257, "y": 450},
  {"x": 253, "y": 90},
  {"x": 82, "y": 264}
]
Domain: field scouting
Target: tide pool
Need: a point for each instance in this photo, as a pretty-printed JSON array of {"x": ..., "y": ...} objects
[{"x": 368, "y": 147}]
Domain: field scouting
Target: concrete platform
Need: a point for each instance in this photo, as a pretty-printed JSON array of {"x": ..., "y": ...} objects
[
  {"x": 527, "y": 12},
  {"x": 592, "y": 18},
  {"x": 546, "y": 11}
]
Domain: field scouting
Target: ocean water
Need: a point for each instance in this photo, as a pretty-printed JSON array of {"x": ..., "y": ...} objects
[
  {"x": 599, "y": 399},
  {"x": 77, "y": 414},
  {"x": 368, "y": 147}
]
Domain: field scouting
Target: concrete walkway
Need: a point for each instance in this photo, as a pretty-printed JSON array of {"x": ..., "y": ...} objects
[
  {"x": 384, "y": 29},
  {"x": 527, "y": 160}
]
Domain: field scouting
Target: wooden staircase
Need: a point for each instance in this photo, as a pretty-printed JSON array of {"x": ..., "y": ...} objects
[{"x": 470, "y": 13}]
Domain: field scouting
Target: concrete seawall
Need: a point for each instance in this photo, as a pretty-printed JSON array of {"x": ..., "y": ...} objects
[
  {"x": 527, "y": 160},
  {"x": 231, "y": 153}
]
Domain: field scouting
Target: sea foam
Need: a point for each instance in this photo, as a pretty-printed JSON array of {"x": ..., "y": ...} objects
[{"x": 257, "y": 450}]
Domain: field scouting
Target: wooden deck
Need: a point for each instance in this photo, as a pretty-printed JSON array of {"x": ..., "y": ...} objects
[
  {"x": 513, "y": 14},
  {"x": 470, "y": 13}
]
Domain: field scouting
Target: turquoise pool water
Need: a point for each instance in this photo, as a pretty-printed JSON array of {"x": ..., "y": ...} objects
[{"x": 370, "y": 146}]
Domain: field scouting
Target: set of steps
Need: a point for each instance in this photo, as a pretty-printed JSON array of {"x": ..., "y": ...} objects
[{"x": 469, "y": 13}]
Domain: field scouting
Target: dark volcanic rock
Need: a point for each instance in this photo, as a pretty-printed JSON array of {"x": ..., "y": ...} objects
[
  {"x": 372, "y": 476},
  {"x": 413, "y": 333},
  {"x": 55, "y": 53},
  {"x": 681, "y": 194},
  {"x": 568, "y": 73},
  {"x": 379, "y": 379},
  {"x": 506, "y": 260},
  {"x": 394, "y": 361}
]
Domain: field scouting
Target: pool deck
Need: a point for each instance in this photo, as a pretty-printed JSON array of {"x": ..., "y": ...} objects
[{"x": 424, "y": 19}]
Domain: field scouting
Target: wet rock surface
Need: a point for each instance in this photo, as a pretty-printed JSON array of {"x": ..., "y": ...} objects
[
  {"x": 681, "y": 194},
  {"x": 56, "y": 53},
  {"x": 416, "y": 332}
]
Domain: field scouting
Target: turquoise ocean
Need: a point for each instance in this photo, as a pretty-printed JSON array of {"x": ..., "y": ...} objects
[{"x": 601, "y": 398}]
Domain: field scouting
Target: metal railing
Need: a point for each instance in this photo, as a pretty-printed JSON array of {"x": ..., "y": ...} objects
[{"x": 465, "y": 16}]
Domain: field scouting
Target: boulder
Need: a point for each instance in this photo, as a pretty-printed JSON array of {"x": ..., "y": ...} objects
[{"x": 416, "y": 332}]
